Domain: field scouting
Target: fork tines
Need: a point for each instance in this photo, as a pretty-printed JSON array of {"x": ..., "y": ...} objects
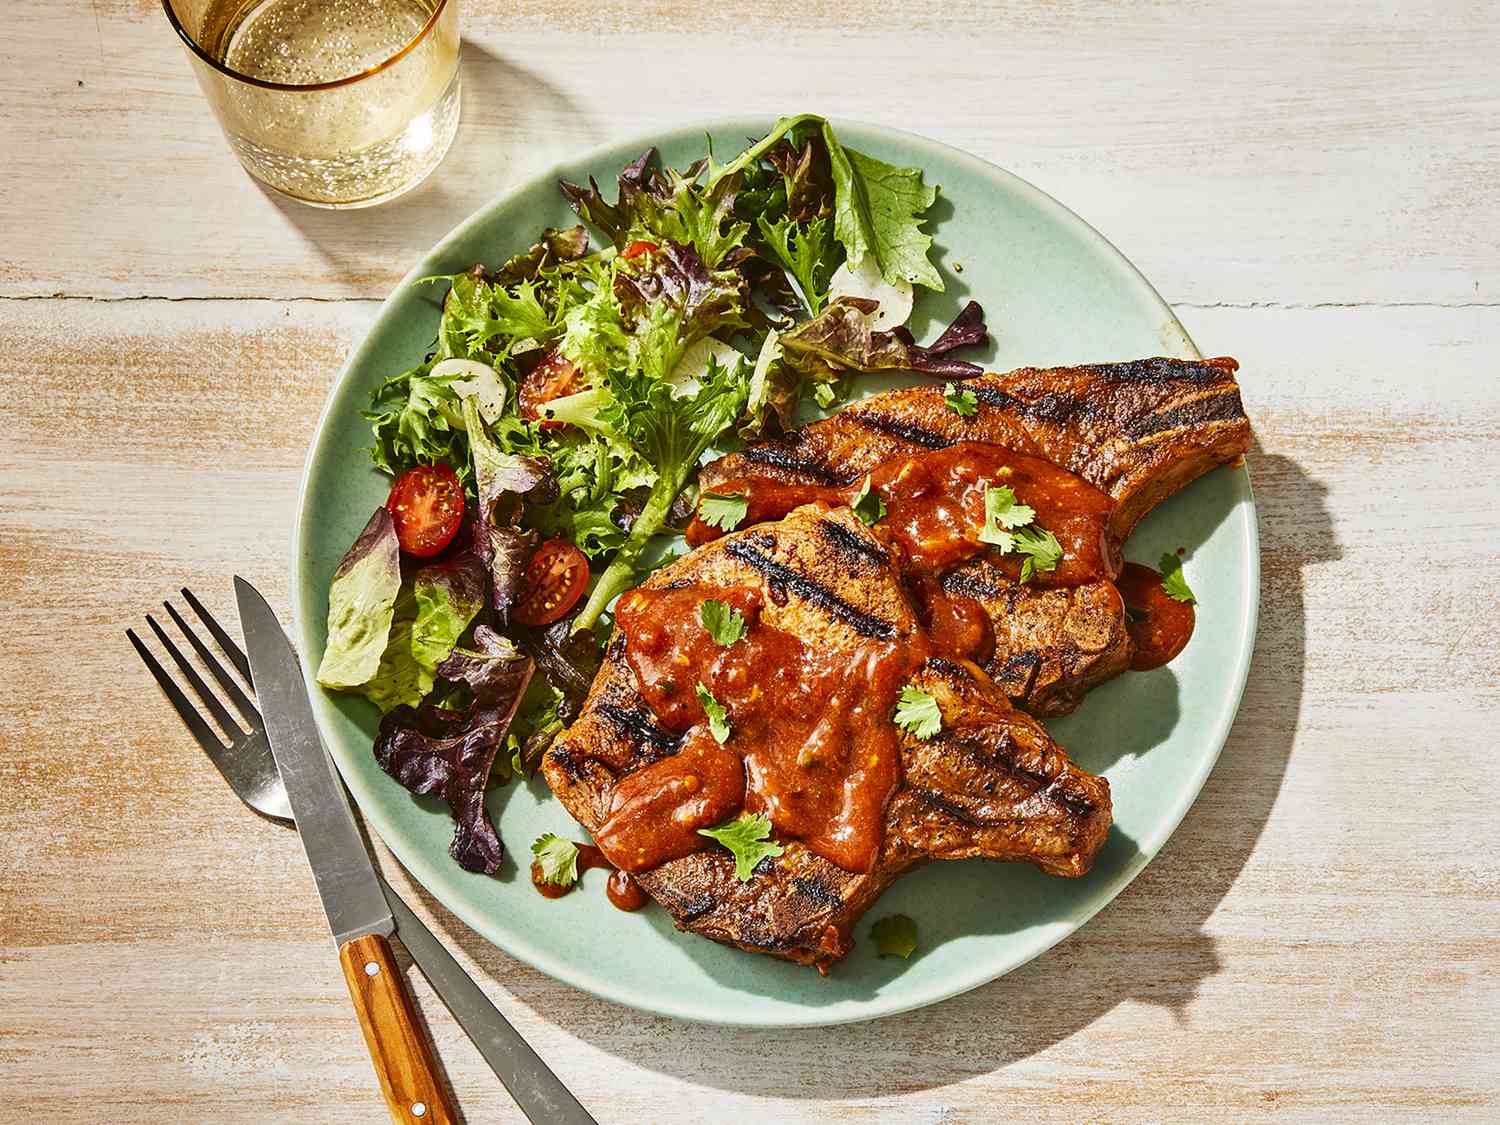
[{"x": 201, "y": 730}]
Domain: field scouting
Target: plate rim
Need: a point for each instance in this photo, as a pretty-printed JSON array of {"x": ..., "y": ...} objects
[{"x": 431, "y": 874}]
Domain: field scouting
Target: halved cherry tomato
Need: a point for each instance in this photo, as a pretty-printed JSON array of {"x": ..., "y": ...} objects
[
  {"x": 554, "y": 377},
  {"x": 552, "y": 584},
  {"x": 427, "y": 505},
  {"x": 635, "y": 249}
]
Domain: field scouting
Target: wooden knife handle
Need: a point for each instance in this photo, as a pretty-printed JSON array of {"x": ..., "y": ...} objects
[{"x": 409, "y": 1073}]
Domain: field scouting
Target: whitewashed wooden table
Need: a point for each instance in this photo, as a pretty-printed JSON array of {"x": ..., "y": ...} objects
[{"x": 1316, "y": 188}]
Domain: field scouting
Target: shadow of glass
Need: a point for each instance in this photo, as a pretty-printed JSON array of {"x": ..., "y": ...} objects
[
  {"x": 1148, "y": 945},
  {"x": 513, "y": 124}
]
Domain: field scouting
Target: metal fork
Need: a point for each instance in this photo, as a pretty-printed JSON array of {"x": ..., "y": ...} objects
[{"x": 248, "y": 766}]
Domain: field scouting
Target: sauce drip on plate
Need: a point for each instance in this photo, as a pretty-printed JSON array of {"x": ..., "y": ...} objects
[
  {"x": 1159, "y": 625},
  {"x": 622, "y": 890}
]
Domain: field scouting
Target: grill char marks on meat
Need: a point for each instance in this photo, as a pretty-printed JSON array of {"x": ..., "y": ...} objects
[
  {"x": 991, "y": 783},
  {"x": 1136, "y": 431},
  {"x": 1051, "y": 646}
]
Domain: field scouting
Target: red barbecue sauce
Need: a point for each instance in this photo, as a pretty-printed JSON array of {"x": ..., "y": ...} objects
[
  {"x": 812, "y": 743},
  {"x": 623, "y": 891},
  {"x": 1159, "y": 624},
  {"x": 935, "y": 508}
]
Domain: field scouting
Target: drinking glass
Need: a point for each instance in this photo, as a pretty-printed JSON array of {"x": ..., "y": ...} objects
[{"x": 337, "y": 103}]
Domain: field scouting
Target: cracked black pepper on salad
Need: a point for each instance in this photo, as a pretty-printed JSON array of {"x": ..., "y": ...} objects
[{"x": 545, "y": 450}]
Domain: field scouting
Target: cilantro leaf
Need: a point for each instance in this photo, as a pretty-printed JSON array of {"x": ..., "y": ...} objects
[
  {"x": 917, "y": 713},
  {"x": 961, "y": 400},
  {"x": 724, "y": 623},
  {"x": 748, "y": 838},
  {"x": 1042, "y": 550},
  {"x": 718, "y": 718},
  {"x": 895, "y": 936},
  {"x": 1172, "y": 580},
  {"x": 868, "y": 505},
  {"x": 1002, "y": 515},
  {"x": 557, "y": 858},
  {"x": 724, "y": 511}
]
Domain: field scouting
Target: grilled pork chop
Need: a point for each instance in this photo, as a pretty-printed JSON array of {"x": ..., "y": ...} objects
[
  {"x": 991, "y": 783},
  {"x": 1137, "y": 431}
]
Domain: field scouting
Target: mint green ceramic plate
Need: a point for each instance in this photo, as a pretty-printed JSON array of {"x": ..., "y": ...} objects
[{"x": 1055, "y": 292}]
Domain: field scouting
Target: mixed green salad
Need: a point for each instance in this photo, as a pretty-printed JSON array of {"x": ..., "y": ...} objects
[{"x": 546, "y": 448}]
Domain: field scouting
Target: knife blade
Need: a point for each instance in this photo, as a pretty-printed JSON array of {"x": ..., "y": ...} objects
[
  {"x": 346, "y": 880},
  {"x": 357, "y": 911}
]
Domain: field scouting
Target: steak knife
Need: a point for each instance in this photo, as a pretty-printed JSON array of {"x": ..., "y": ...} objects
[
  {"x": 358, "y": 913},
  {"x": 537, "y": 1090}
]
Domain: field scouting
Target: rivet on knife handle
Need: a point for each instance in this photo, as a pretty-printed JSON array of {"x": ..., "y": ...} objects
[{"x": 401, "y": 1054}]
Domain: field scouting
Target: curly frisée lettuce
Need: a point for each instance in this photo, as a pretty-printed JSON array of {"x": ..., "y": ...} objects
[{"x": 575, "y": 388}]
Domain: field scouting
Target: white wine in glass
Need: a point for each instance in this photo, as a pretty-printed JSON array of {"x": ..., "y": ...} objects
[{"x": 338, "y": 103}]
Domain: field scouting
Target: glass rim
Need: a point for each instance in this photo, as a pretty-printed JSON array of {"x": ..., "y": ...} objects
[{"x": 265, "y": 84}]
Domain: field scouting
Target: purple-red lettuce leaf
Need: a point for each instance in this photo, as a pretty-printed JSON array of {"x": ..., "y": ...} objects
[
  {"x": 707, "y": 300},
  {"x": 566, "y": 245},
  {"x": 967, "y": 330},
  {"x": 501, "y": 481},
  {"x": 657, "y": 205},
  {"x": 494, "y": 670},
  {"x": 775, "y": 392},
  {"x": 840, "y": 339},
  {"x": 638, "y": 181},
  {"x": 434, "y": 751},
  {"x": 569, "y": 660},
  {"x": 807, "y": 176}
]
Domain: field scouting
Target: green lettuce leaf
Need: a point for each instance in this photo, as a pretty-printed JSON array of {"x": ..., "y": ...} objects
[
  {"x": 361, "y": 605},
  {"x": 878, "y": 208},
  {"x": 398, "y": 678},
  {"x": 878, "y": 212},
  {"x": 673, "y": 433},
  {"x": 417, "y": 416},
  {"x": 775, "y": 391},
  {"x": 431, "y": 614},
  {"x": 484, "y": 319},
  {"x": 449, "y": 596},
  {"x": 804, "y": 250}
]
